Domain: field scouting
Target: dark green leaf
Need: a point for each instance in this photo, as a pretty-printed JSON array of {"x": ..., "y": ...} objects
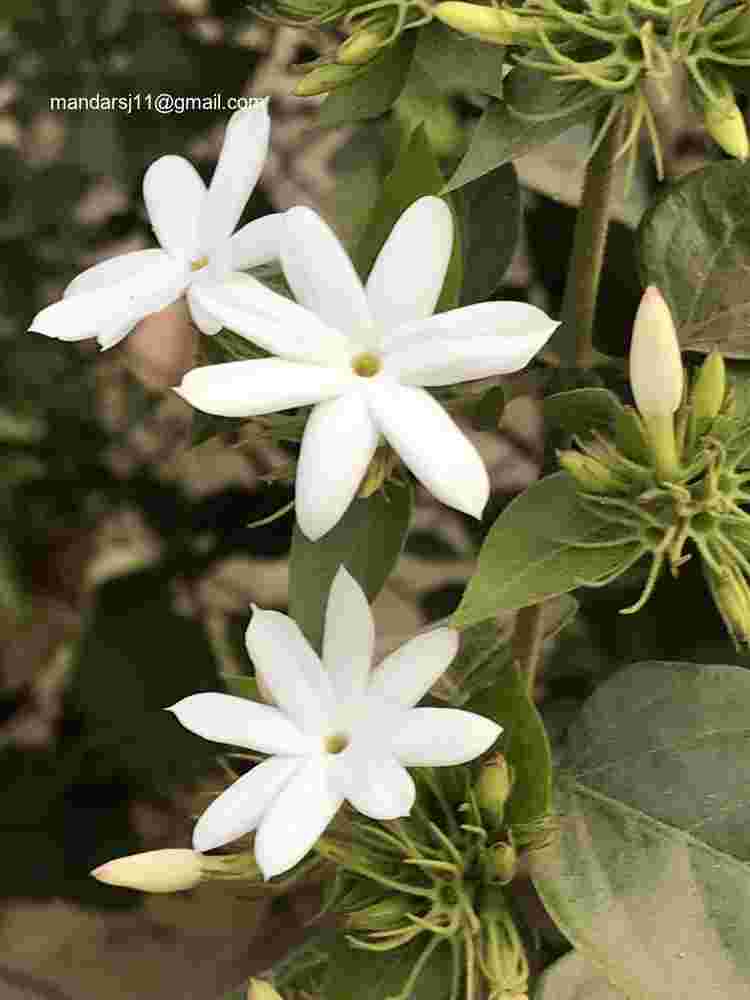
[
  {"x": 488, "y": 409},
  {"x": 581, "y": 411},
  {"x": 491, "y": 215},
  {"x": 137, "y": 657},
  {"x": 649, "y": 878},
  {"x": 242, "y": 686},
  {"x": 529, "y": 555},
  {"x": 372, "y": 93},
  {"x": 369, "y": 975},
  {"x": 458, "y": 63},
  {"x": 695, "y": 245},
  {"x": 367, "y": 540},
  {"x": 502, "y": 136}
]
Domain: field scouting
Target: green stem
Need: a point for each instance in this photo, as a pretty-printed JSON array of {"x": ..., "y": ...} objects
[
  {"x": 574, "y": 340},
  {"x": 528, "y": 639}
]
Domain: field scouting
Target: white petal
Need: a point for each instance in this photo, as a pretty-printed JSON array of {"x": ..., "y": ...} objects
[
  {"x": 296, "y": 819},
  {"x": 339, "y": 441},
  {"x": 526, "y": 327},
  {"x": 112, "y": 337},
  {"x": 257, "y": 242},
  {"x": 240, "y": 163},
  {"x": 240, "y": 808},
  {"x": 435, "y": 737},
  {"x": 224, "y": 718},
  {"x": 174, "y": 194},
  {"x": 407, "y": 277},
  {"x": 348, "y": 637},
  {"x": 381, "y": 788},
  {"x": 429, "y": 442},
  {"x": 248, "y": 388},
  {"x": 291, "y": 670},
  {"x": 205, "y": 322},
  {"x": 322, "y": 276},
  {"x": 114, "y": 307},
  {"x": 444, "y": 358},
  {"x": 409, "y": 672},
  {"x": 273, "y": 322},
  {"x": 109, "y": 273}
]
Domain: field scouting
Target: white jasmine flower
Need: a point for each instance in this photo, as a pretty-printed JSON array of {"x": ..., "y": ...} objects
[
  {"x": 194, "y": 227},
  {"x": 337, "y": 730},
  {"x": 363, "y": 355}
]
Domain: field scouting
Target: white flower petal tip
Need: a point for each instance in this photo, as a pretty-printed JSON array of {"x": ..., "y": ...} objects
[
  {"x": 225, "y": 718},
  {"x": 171, "y": 870},
  {"x": 441, "y": 737}
]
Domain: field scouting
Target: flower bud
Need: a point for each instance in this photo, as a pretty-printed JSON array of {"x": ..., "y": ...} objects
[
  {"x": 725, "y": 123},
  {"x": 733, "y": 598},
  {"x": 260, "y": 989},
  {"x": 656, "y": 375},
  {"x": 590, "y": 474},
  {"x": 492, "y": 789},
  {"x": 504, "y": 862},
  {"x": 325, "y": 78},
  {"x": 169, "y": 870},
  {"x": 361, "y": 46},
  {"x": 709, "y": 388},
  {"x": 380, "y": 916},
  {"x": 489, "y": 24}
]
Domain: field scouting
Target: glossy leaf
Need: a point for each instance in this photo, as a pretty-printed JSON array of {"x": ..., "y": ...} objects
[
  {"x": 650, "y": 876},
  {"x": 458, "y": 63},
  {"x": 581, "y": 411},
  {"x": 694, "y": 243},
  {"x": 371, "y": 93},
  {"x": 491, "y": 214},
  {"x": 529, "y": 553},
  {"x": 369, "y": 975},
  {"x": 367, "y": 540}
]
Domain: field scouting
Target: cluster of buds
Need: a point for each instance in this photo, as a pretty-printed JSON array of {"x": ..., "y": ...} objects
[
  {"x": 437, "y": 875},
  {"x": 674, "y": 472},
  {"x": 614, "y": 51}
]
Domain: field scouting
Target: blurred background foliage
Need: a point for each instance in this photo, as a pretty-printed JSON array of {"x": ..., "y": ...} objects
[{"x": 126, "y": 564}]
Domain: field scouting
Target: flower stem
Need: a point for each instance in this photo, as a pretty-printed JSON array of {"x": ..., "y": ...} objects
[
  {"x": 574, "y": 340},
  {"x": 527, "y": 642}
]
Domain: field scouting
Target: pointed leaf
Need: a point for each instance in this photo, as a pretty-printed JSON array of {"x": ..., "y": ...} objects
[
  {"x": 372, "y": 93},
  {"x": 458, "y": 63}
]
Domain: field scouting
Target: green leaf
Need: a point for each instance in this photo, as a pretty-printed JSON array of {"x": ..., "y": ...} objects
[
  {"x": 529, "y": 555},
  {"x": 502, "y": 136},
  {"x": 650, "y": 876},
  {"x": 367, "y": 540},
  {"x": 458, "y": 63},
  {"x": 137, "y": 657},
  {"x": 488, "y": 409},
  {"x": 694, "y": 243},
  {"x": 491, "y": 216},
  {"x": 416, "y": 173},
  {"x": 369, "y": 975},
  {"x": 374, "y": 92},
  {"x": 422, "y": 101},
  {"x": 525, "y": 745},
  {"x": 581, "y": 411},
  {"x": 573, "y": 977}
]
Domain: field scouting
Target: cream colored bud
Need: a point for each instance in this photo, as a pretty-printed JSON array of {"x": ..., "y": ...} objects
[
  {"x": 725, "y": 123},
  {"x": 361, "y": 47},
  {"x": 709, "y": 388},
  {"x": 325, "y": 78},
  {"x": 490, "y": 24},
  {"x": 169, "y": 870},
  {"x": 656, "y": 375},
  {"x": 259, "y": 989},
  {"x": 590, "y": 474}
]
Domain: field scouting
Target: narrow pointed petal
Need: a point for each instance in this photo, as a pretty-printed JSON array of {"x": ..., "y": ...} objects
[
  {"x": 174, "y": 194},
  {"x": 408, "y": 673},
  {"x": 249, "y": 388},
  {"x": 407, "y": 277},
  {"x": 271, "y": 321},
  {"x": 241, "y": 807},
  {"x": 322, "y": 276},
  {"x": 296, "y": 819},
  {"x": 348, "y": 637},
  {"x": 381, "y": 788},
  {"x": 290, "y": 669},
  {"x": 526, "y": 328},
  {"x": 339, "y": 441},
  {"x": 257, "y": 242},
  {"x": 436, "y": 737},
  {"x": 224, "y": 718},
  {"x": 240, "y": 163},
  {"x": 205, "y": 322},
  {"x": 432, "y": 446},
  {"x": 114, "y": 307}
]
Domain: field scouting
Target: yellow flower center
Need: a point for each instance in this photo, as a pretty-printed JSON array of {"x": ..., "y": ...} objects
[
  {"x": 366, "y": 365},
  {"x": 199, "y": 263},
  {"x": 336, "y": 743}
]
